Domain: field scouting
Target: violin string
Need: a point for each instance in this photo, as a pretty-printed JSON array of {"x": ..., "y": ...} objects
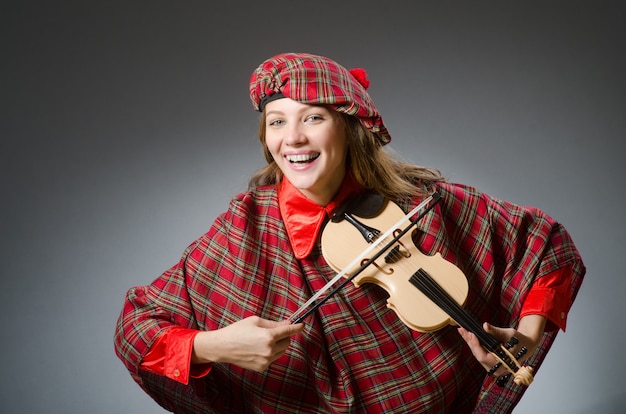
[
  {"x": 434, "y": 291},
  {"x": 425, "y": 283},
  {"x": 438, "y": 295},
  {"x": 429, "y": 286}
]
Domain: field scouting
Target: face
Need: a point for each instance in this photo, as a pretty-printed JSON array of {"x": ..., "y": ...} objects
[{"x": 308, "y": 143}]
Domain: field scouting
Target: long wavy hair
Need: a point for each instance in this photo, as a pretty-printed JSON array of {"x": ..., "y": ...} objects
[{"x": 372, "y": 165}]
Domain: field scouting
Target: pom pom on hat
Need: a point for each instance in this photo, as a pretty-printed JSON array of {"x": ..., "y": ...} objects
[
  {"x": 317, "y": 80},
  {"x": 361, "y": 76}
]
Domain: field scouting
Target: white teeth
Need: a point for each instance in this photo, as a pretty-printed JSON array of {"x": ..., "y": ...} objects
[{"x": 301, "y": 157}]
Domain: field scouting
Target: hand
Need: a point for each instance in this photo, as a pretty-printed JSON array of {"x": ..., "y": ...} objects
[
  {"x": 252, "y": 343},
  {"x": 528, "y": 333}
]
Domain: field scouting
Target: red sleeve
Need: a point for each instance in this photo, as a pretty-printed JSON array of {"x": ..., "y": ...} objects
[
  {"x": 170, "y": 355},
  {"x": 550, "y": 297}
]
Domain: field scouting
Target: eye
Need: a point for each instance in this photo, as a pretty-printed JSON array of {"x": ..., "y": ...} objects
[
  {"x": 314, "y": 118},
  {"x": 275, "y": 122}
]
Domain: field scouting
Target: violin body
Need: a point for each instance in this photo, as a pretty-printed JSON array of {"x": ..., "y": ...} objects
[{"x": 342, "y": 241}]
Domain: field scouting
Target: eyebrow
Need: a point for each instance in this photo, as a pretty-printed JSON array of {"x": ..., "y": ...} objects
[{"x": 279, "y": 112}]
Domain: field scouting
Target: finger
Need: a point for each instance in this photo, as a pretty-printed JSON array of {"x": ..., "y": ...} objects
[
  {"x": 278, "y": 353},
  {"x": 266, "y": 323},
  {"x": 283, "y": 342},
  {"x": 486, "y": 359},
  {"x": 464, "y": 333},
  {"x": 501, "y": 334},
  {"x": 285, "y": 331},
  {"x": 471, "y": 339}
]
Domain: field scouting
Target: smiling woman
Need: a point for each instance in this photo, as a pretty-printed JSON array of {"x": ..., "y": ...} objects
[
  {"x": 210, "y": 334},
  {"x": 308, "y": 143}
]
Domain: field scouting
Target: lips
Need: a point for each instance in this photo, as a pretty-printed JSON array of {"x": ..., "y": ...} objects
[{"x": 302, "y": 158}]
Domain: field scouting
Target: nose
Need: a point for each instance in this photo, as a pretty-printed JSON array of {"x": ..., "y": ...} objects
[{"x": 295, "y": 134}]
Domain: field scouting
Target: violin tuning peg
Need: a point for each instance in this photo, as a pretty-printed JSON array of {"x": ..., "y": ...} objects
[
  {"x": 494, "y": 369},
  {"x": 521, "y": 352},
  {"x": 501, "y": 382},
  {"x": 511, "y": 342}
]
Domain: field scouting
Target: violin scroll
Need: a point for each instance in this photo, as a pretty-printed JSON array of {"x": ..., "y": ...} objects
[{"x": 522, "y": 375}]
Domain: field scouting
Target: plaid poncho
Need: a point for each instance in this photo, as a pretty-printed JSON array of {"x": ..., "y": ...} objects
[{"x": 354, "y": 355}]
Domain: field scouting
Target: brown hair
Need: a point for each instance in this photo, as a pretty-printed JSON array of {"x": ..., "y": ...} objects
[{"x": 373, "y": 165}]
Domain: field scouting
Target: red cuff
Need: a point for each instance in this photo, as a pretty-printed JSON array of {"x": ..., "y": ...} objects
[
  {"x": 550, "y": 297},
  {"x": 170, "y": 355}
]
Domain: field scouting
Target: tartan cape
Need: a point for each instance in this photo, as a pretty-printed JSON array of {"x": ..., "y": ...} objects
[{"x": 354, "y": 355}]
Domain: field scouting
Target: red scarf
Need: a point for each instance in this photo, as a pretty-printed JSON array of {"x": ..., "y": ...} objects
[{"x": 304, "y": 218}]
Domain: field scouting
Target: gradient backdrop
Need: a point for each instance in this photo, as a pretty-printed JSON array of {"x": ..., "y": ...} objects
[{"x": 126, "y": 127}]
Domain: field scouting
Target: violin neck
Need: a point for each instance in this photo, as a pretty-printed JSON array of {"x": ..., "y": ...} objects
[
  {"x": 429, "y": 286},
  {"x": 433, "y": 291}
]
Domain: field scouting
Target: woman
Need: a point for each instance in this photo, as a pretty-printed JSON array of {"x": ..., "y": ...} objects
[{"x": 210, "y": 335}]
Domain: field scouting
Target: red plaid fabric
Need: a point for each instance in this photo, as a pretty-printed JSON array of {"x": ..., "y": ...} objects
[
  {"x": 312, "y": 79},
  {"x": 355, "y": 355}
]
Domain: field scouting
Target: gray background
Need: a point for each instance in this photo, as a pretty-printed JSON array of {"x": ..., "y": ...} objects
[{"x": 126, "y": 128}]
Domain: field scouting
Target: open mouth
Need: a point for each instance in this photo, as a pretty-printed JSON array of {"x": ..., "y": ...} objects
[{"x": 302, "y": 159}]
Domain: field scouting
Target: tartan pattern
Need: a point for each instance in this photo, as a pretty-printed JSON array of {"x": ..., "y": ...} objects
[
  {"x": 354, "y": 355},
  {"x": 312, "y": 79}
]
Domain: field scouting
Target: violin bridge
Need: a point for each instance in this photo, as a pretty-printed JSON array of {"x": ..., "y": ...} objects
[{"x": 394, "y": 255}]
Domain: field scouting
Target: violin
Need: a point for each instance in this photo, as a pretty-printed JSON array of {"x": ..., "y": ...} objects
[{"x": 427, "y": 293}]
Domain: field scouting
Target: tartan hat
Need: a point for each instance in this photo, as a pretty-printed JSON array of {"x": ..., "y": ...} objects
[{"x": 312, "y": 79}]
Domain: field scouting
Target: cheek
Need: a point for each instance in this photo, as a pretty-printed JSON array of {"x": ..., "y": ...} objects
[
  {"x": 340, "y": 145},
  {"x": 272, "y": 146}
]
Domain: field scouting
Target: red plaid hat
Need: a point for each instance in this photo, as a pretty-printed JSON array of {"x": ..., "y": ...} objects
[{"x": 312, "y": 79}]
